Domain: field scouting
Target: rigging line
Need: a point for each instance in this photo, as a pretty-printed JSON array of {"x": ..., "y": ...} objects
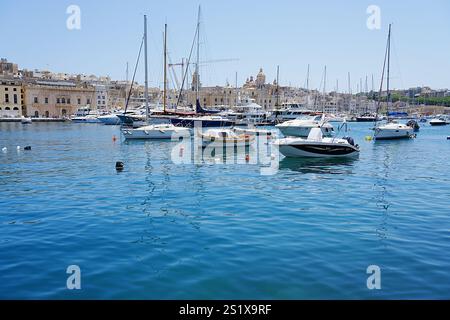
[
  {"x": 397, "y": 61},
  {"x": 187, "y": 67},
  {"x": 382, "y": 80},
  {"x": 134, "y": 75}
]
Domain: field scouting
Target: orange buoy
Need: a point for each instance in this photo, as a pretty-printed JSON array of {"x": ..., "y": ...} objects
[{"x": 114, "y": 138}]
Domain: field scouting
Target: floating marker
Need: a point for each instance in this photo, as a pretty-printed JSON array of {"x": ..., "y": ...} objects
[
  {"x": 119, "y": 166},
  {"x": 448, "y": 138},
  {"x": 114, "y": 138},
  {"x": 28, "y": 148},
  {"x": 4, "y": 149}
]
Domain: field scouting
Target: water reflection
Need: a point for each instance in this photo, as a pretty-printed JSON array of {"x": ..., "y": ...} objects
[{"x": 319, "y": 165}]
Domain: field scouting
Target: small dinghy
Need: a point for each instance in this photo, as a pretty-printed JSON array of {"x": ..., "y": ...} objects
[
  {"x": 226, "y": 138},
  {"x": 316, "y": 146},
  {"x": 157, "y": 131}
]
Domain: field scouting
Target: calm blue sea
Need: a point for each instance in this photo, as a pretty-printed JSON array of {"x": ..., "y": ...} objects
[{"x": 212, "y": 231}]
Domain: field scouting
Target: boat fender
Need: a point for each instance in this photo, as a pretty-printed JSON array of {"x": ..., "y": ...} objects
[
  {"x": 247, "y": 157},
  {"x": 181, "y": 152},
  {"x": 28, "y": 148},
  {"x": 119, "y": 166},
  {"x": 5, "y": 149},
  {"x": 368, "y": 138}
]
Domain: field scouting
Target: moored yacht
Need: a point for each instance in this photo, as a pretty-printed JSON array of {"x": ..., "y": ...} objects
[
  {"x": 302, "y": 126},
  {"x": 439, "y": 121},
  {"x": 393, "y": 130}
]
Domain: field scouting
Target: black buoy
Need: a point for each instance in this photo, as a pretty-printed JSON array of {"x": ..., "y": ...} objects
[
  {"x": 448, "y": 138},
  {"x": 28, "y": 148},
  {"x": 119, "y": 166}
]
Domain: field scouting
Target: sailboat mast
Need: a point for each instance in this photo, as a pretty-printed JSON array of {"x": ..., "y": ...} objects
[
  {"x": 165, "y": 69},
  {"x": 197, "y": 65},
  {"x": 307, "y": 87},
  {"x": 146, "y": 68},
  {"x": 278, "y": 86},
  {"x": 388, "y": 68},
  {"x": 324, "y": 88}
]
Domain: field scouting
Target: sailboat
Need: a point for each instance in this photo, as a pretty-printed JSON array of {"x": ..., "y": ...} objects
[
  {"x": 204, "y": 117},
  {"x": 156, "y": 131},
  {"x": 392, "y": 129}
]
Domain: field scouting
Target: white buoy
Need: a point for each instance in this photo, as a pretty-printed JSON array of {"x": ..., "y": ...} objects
[
  {"x": 4, "y": 149},
  {"x": 18, "y": 148}
]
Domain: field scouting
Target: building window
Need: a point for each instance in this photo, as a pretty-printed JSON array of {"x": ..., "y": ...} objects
[
  {"x": 68, "y": 100},
  {"x": 6, "y": 98},
  {"x": 15, "y": 108},
  {"x": 7, "y": 108},
  {"x": 46, "y": 100},
  {"x": 36, "y": 114},
  {"x": 79, "y": 101},
  {"x": 64, "y": 112},
  {"x": 98, "y": 102},
  {"x": 58, "y": 100},
  {"x": 63, "y": 100},
  {"x": 15, "y": 99},
  {"x": 47, "y": 114},
  {"x": 36, "y": 100},
  {"x": 88, "y": 101},
  {"x": 6, "y": 89},
  {"x": 15, "y": 89}
]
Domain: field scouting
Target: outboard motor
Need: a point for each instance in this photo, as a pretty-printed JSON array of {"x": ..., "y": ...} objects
[
  {"x": 413, "y": 124},
  {"x": 350, "y": 140}
]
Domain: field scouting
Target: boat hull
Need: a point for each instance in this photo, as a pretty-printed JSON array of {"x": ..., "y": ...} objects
[
  {"x": 319, "y": 150},
  {"x": 131, "y": 134},
  {"x": 393, "y": 134},
  {"x": 110, "y": 121}
]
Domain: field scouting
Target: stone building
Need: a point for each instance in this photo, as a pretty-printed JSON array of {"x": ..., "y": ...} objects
[
  {"x": 56, "y": 99},
  {"x": 11, "y": 98}
]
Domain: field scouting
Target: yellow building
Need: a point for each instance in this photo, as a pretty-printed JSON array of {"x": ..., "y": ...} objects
[
  {"x": 56, "y": 99},
  {"x": 11, "y": 98}
]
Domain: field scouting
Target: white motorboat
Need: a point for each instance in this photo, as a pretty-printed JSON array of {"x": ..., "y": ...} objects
[
  {"x": 85, "y": 115},
  {"x": 439, "y": 121},
  {"x": 25, "y": 120},
  {"x": 301, "y": 127},
  {"x": 316, "y": 146},
  {"x": 226, "y": 138},
  {"x": 157, "y": 131},
  {"x": 109, "y": 119},
  {"x": 289, "y": 111}
]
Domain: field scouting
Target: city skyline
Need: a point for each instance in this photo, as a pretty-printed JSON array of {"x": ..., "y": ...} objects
[{"x": 259, "y": 35}]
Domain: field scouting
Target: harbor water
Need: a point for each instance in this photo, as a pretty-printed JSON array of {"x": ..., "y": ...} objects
[{"x": 159, "y": 230}]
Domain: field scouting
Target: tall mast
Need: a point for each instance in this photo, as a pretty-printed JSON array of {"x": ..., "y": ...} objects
[
  {"x": 236, "y": 88},
  {"x": 278, "y": 86},
  {"x": 146, "y": 68},
  {"x": 307, "y": 87},
  {"x": 324, "y": 88},
  {"x": 388, "y": 68},
  {"x": 197, "y": 65},
  {"x": 349, "y": 85},
  {"x": 165, "y": 68}
]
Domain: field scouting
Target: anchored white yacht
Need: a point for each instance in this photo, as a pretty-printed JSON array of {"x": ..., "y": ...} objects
[
  {"x": 302, "y": 126},
  {"x": 392, "y": 129}
]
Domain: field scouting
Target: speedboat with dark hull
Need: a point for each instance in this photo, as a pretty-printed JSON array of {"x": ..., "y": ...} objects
[{"x": 316, "y": 146}]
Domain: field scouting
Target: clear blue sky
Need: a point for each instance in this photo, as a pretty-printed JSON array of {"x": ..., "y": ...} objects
[{"x": 289, "y": 33}]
